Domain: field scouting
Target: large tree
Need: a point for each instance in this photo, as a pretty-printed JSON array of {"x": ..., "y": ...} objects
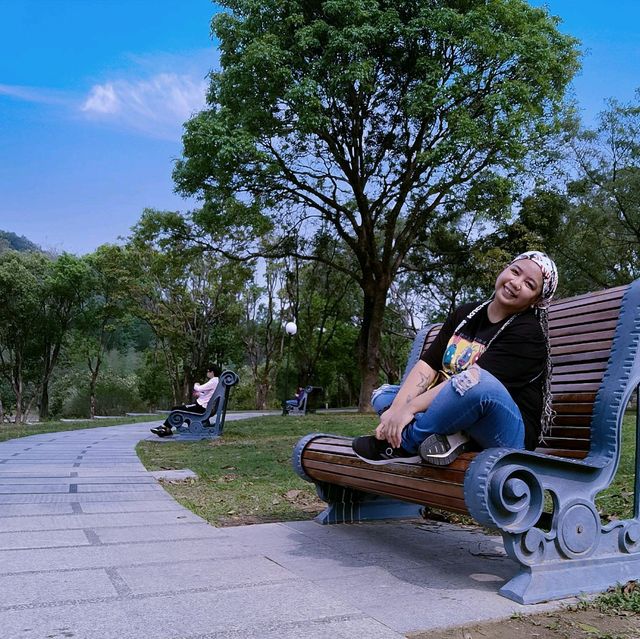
[
  {"x": 190, "y": 299},
  {"x": 62, "y": 295},
  {"x": 21, "y": 277},
  {"x": 369, "y": 118},
  {"x": 40, "y": 298},
  {"x": 104, "y": 317},
  {"x": 602, "y": 225}
]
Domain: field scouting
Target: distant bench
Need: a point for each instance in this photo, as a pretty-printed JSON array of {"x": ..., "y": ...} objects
[
  {"x": 307, "y": 401},
  {"x": 594, "y": 347},
  {"x": 209, "y": 424}
]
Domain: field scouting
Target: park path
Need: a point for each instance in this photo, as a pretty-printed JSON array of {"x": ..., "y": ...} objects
[{"x": 92, "y": 547}]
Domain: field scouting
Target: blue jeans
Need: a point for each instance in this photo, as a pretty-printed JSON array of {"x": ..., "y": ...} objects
[{"x": 485, "y": 412}]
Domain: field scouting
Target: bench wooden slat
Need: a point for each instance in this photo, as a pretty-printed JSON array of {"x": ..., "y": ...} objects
[
  {"x": 574, "y": 409},
  {"x": 415, "y": 495},
  {"x": 564, "y": 376},
  {"x": 589, "y": 336},
  {"x": 586, "y": 299},
  {"x": 593, "y": 350},
  {"x": 572, "y": 421},
  {"x": 586, "y": 309},
  {"x": 578, "y": 358},
  {"x": 582, "y": 367},
  {"x": 561, "y": 331},
  {"x": 564, "y": 442},
  {"x": 393, "y": 475},
  {"x": 586, "y": 318}
]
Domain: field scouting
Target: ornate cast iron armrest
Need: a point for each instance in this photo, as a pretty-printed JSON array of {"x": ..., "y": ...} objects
[{"x": 504, "y": 488}]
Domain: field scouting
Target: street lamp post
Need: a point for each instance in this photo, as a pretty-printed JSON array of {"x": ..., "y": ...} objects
[{"x": 290, "y": 329}]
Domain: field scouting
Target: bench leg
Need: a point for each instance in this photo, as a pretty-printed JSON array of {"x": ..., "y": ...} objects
[
  {"x": 535, "y": 584},
  {"x": 197, "y": 430},
  {"x": 577, "y": 556},
  {"x": 351, "y": 506}
]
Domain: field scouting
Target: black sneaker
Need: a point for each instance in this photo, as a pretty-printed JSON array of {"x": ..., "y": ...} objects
[
  {"x": 379, "y": 451},
  {"x": 162, "y": 431},
  {"x": 442, "y": 450}
]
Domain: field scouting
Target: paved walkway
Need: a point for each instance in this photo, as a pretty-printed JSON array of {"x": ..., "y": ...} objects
[{"x": 92, "y": 547}]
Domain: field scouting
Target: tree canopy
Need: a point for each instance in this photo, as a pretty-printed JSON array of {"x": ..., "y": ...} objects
[{"x": 370, "y": 120}]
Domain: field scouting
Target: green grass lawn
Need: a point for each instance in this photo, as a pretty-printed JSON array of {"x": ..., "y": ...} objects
[
  {"x": 616, "y": 502},
  {"x": 11, "y": 431}
]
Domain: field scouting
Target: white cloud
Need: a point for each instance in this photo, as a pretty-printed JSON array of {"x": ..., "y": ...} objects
[
  {"x": 153, "y": 95},
  {"x": 156, "y": 106},
  {"x": 102, "y": 99},
  {"x": 34, "y": 94}
]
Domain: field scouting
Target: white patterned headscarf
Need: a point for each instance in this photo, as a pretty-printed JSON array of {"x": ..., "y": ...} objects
[
  {"x": 549, "y": 274},
  {"x": 549, "y": 285}
]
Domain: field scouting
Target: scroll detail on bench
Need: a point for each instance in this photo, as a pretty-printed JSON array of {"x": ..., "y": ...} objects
[
  {"x": 209, "y": 424},
  {"x": 594, "y": 348}
]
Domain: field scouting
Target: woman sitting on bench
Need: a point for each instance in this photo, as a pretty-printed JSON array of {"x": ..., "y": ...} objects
[
  {"x": 484, "y": 382},
  {"x": 295, "y": 402},
  {"x": 203, "y": 393}
]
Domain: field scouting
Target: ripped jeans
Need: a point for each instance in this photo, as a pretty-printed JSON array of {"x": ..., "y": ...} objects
[{"x": 484, "y": 411}]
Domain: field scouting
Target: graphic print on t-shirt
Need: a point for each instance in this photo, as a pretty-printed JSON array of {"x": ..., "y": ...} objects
[{"x": 461, "y": 353}]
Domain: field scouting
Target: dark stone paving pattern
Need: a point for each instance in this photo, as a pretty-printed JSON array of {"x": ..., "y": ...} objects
[{"x": 91, "y": 546}]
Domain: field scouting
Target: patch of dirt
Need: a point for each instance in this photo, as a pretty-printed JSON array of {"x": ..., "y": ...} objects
[
  {"x": 306, "y": 502},
  {"x": 560, "y": 624},
  {"x": 242, "y": 520}
]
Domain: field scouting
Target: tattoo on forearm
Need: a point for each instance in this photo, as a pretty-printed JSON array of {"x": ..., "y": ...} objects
[{"x": 423, "y": 382}]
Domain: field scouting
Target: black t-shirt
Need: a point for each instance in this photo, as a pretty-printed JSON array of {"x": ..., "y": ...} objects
[{"x": 517, "y": 357}]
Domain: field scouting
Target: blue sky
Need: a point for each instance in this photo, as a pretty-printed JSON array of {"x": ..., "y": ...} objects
[{"x": 93, "y": 94}]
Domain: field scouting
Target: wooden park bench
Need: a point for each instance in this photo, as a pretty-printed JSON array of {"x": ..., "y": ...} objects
[
  {"x": 594, "y": 346},
  {"x": 210, "y": 424},
  {"x": 306, "y": 403}
]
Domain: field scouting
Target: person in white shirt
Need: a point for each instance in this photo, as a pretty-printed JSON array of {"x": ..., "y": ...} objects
[{"x": 202, "y": 392}]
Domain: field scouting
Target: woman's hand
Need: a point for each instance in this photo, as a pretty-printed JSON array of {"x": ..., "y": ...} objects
[{"x": 392, "y": 423}]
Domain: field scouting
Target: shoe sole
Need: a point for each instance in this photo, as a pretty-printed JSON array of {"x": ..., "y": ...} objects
[
  {"x": 448, "y": 455},
  {"x": 396, "y": 460}
]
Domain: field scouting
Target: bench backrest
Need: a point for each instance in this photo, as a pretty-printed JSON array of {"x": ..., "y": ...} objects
[{"x": 581, "y": 330}]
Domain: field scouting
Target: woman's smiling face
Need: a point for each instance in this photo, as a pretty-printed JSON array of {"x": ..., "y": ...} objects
[{"x": 519, "y": 286}]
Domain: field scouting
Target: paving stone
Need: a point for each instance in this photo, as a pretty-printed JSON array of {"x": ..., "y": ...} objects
[
  {"x": 176, "y": 531},
  {"x": 41, "y": 539},
  {"x": 218, "y": 574},
  {"x": 152, "y": 503},
  {"x": 119, "y": 488},
  {"x": 15, "y": 561},
  {"x": 247, "y": 611},
  {"x": 71, "y": 521},
  {"x": 11, "y": 511},
  {"x": 33, "y": 489},
  {"x": 30, "y": 589}
]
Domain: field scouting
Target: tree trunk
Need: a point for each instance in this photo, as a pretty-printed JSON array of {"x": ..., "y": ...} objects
[
  {"x": 187, "y": 385},
  {"x": 262, "y": 392},
  {"x": 93, "y": 383},
  {"x": 375, "y": 299},
  {"x": 18, "y": 394},
  {"x": 16, "y": 386},
  {"x": 44, "y": 401}
]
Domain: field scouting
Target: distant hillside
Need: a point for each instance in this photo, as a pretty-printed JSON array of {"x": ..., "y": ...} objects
[{"x": 9, "y": 240}]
